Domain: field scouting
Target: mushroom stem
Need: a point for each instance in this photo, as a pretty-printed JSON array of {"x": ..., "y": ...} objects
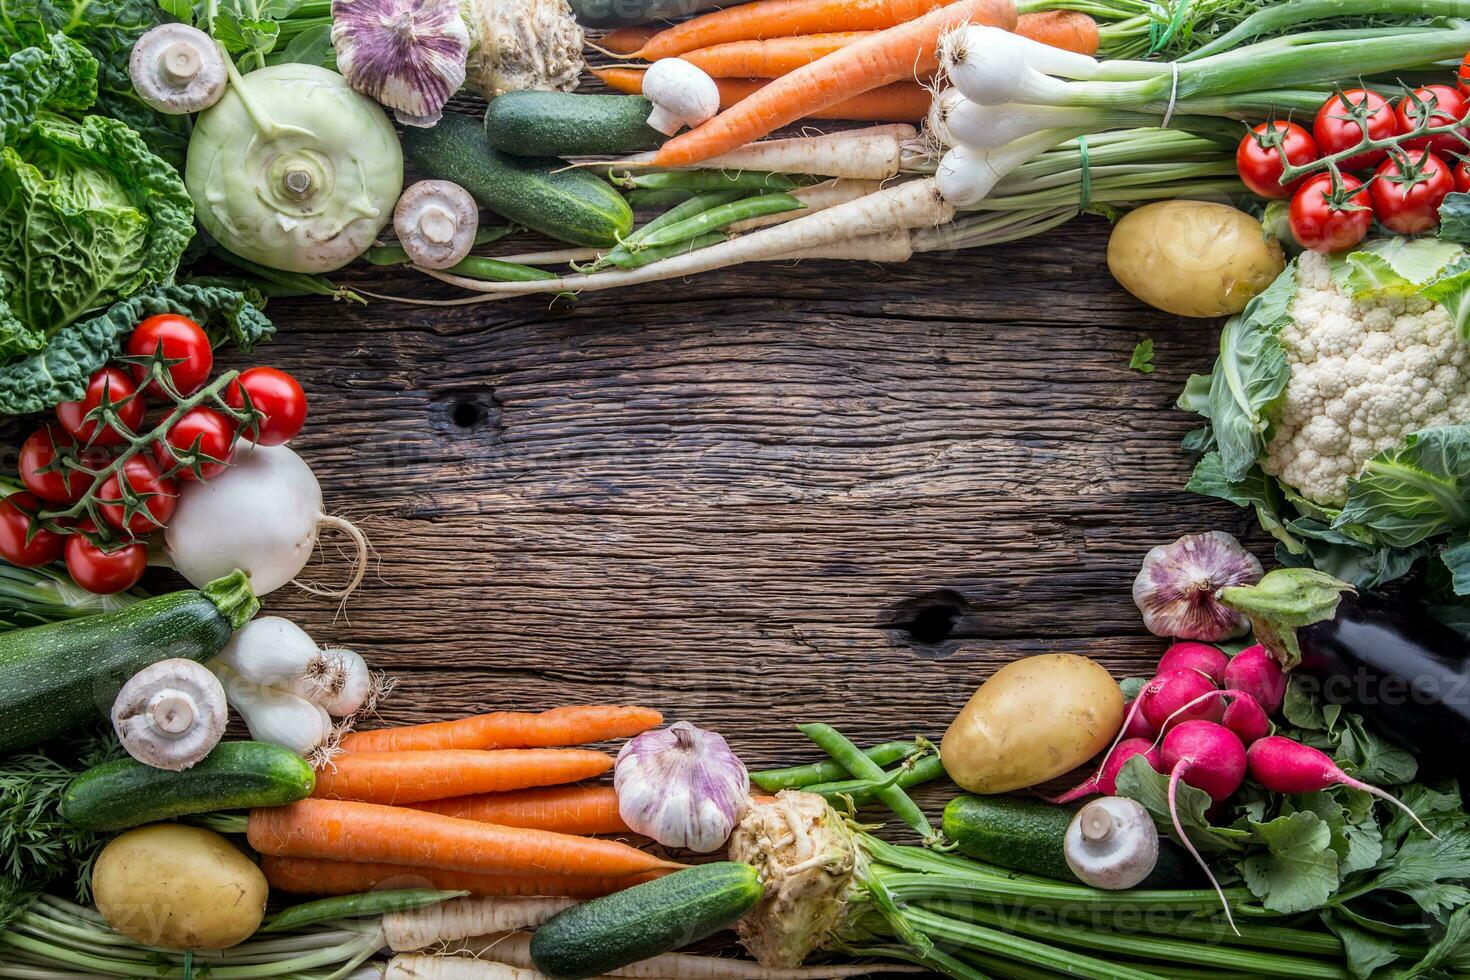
[
  {"x": 172, "y": 711},
  {"x": 437, "y": 225},
  {"x": 1095, "y": 823},
  {"x": 180, "y": 62}
]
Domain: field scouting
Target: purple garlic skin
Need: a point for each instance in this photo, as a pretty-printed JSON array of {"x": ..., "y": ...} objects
[
  {"x": 410, "y": 55},
  {"x": 1175, "y": 589},
  {"x": 682, "y": 786}
]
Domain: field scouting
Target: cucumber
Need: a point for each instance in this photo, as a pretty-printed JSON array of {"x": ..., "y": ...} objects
[
  {"x": 59, "y": 677},
  {"x": 609, "y": 933},
  {"x": 1026, "y": 835},
  {"x": 538, "y": 192},
  {"x": 559, "y": 124},
  {"x": 236, "y": 775}
]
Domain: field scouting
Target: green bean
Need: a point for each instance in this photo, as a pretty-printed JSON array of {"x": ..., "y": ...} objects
[
  {"x": 395, "y": 255},
  {"x": 648, "y": 256},
  {"x": 640, "y": 200},
  {"x": 716, "y": 218},
  {"x": 481, "y": 267},
  {"x": 707, "y": 180},
  {"x": 354, "y": 906},
  {"x": 796, "y": 777},
  {"x": 915, "y": 772},
  {"x": 835, "y": 744},
  {"x": 697, "y": 202}
]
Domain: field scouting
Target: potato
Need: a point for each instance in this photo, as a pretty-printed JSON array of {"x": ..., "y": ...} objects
[
  {"x": 1193, "y": 258},
  {"x": 1033, "y": 720},
  {"x": 178, "y": 887}
]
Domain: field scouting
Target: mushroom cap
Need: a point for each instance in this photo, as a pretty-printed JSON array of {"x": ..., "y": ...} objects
[
  {"x": 436, "y": 221},
  {"x": 177, "y": 69},
  {"x": 170, "y": 714},
  {"x": 1112, "y": 843},
  {"x": 682, "y": 93}
]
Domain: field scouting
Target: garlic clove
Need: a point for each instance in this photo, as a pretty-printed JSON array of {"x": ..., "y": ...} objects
[
  {"x": 410, "y": 55},
  {"x": 1176, "y": 588},
  {"x": 682, "y": 786}
]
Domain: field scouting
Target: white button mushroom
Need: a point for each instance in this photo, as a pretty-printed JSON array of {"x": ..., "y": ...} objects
[
  {"x": 436, "y": 222},
  {"x": 681, "y": 93},
  {"x": 171, "y": 714},
  {"x": 1112, "y": 843},
  {"x": 177, "y": 69}
]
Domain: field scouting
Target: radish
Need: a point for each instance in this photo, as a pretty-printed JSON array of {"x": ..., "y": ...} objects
[
  {"x": 1209, "y": 757},
  {"x": 1208, "y": 660},
  {"x": 1177, "y": 695},
  {"x": 1283, "y": 766},
  {"x": 262, "y": 516},
  {"x": 1105, "y": 780},
  {"x": 1245, "y": 717},
  {"x": 1255, "y": 671},
  {"x": 1136, "y": 725}
]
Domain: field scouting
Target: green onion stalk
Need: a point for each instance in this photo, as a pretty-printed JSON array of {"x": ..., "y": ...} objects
[{"x": 35, "y": 596}]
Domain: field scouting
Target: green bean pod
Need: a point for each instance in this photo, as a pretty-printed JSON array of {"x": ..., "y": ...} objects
[{"x": 718, "y": 217}]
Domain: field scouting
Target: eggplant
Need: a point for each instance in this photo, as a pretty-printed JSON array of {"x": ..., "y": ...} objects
[{"x": 1393, "y": 663}]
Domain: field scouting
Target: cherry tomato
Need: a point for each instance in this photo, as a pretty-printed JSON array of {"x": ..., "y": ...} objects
[
  {"x": 144, "y": 480},
  {"x": 201, "y": 431},
  {"x": 1258, "y": 158},
  {"x": 1409, "y": 205},
  {"x": 1432, "y": 105},
  {"x": 18, "y": 545},
  {"x": 181, "y": 339},
  {"x": 1462, "y": 75},
  {"x": 55, "y": 486},
  {"x": 120, "y": 391},
  {"x": 99, "y": 570},
  {"x": 1336, "y": 130},
  {"x": 278, "y": 395},
  {"x": 1326, "y": 222},
  {"x": 1462, "y": 177}
]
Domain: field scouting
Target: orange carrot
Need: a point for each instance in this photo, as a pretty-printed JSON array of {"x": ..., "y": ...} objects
[
  {"x": 781, "y": 18},
  {"x": 768, "y": 59},
  {"x": 627, "y": 40},
  {"x": 899, "y": 102},
  {"x": 564, "y": 809},
  {"x": 1070, "y": 30},
  {"x": 885, "y": 57},
  {"x": 310, "y": 876},
  {"x": 343, "y": 831},
  {"x": 573, "y": 725},
  {"x": 412, "y": 777}
]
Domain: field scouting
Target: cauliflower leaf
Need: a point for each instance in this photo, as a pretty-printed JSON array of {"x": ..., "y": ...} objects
[{"x": 1415, "y": 492}]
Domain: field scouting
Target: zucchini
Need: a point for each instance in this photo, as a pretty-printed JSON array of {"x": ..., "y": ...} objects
[
  {"x": 609, "y": 933},
  {"x": 560, "y": 124},
  {"x": 1027, "y": 836},
  {"x": 538, "y": 192},
  {"x": 57, "y": 678},
  {"x": 236, "y": 775}
]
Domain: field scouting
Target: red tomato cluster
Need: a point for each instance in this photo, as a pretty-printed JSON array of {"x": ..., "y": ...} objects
[
  {"x": 1403, "y": 189},
  {"x": 113, "y": 558}
]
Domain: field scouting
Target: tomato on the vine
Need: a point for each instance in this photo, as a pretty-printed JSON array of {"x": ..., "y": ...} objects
[
  {"x": 1258, "y": 159},
  {"x": 1327, "y": 220},
  {"x": 201, "y": 432},
  {"x": 1407, "y": 191},
  {"x": 1335, "y": 129},
  {"x": 1462, "y": 75},
  {"x": 161, "y": 497},
  {"x": 1432, "y": 105},
  {"x": 182, "y": 340},
  {"x": 100, "y": 570},
  {"x": 121, "y": 392},
  {"x": 19, "y": 545},
  {"x": 277, "y": 396},
  {"x": 1462, "y": 177},
  {"x": 55, "y": 486}
]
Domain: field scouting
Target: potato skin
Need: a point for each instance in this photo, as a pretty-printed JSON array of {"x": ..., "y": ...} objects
[
  {"x": 1033, "y": 720},
  {"x": 1193, "y": 258},
  {"x": 179, "y": 887}
]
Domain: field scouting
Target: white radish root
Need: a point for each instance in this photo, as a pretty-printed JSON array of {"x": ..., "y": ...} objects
[
  {"x": 875, "y": 153},
  {"x": 894, "y": 247},
  {"x": 816, "y": 197},
  {"x": 462, "y": 918},
  {"x": 553, "y": 257},
  {"x": 418, "y": 966}
]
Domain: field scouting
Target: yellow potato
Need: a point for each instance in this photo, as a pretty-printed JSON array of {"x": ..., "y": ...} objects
[
  {"x": 1193, "y": 258},
  {"x": 178, "y": 887},
  {"x": 1033, "y": 720}
]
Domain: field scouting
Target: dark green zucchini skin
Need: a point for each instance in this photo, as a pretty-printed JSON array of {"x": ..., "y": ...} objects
[
  {"x": 626, "y": 13},
  {"x": 609, "y": 933},
  {"x": 235, "y": 776},
  {"x": 565, "y": 124},
  {"x": 59, "y": 677}
]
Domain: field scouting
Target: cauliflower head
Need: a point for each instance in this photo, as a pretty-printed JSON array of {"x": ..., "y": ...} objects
[{"x": 1365, "y": 373}]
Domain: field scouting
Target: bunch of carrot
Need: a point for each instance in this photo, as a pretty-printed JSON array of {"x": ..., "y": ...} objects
[
  {"x": 485, "y": 804},
  {"x": 778, "y": 61}
]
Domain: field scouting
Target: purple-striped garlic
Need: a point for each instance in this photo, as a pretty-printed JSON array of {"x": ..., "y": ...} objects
[
  {"x": 410, "y": 55},
  {"x": 682, "y": 786}
]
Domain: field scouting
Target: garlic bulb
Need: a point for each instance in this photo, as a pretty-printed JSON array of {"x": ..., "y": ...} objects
[
  {"x": 410, "y": 55},
  {"x": 682, "y": 786},
  {"x": 1177, "y": 585}
]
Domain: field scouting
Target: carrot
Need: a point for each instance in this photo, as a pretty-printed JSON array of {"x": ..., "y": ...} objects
[
  {"x": 311, "y": 876},
  {"x": 898, "y": 102},
  {"x": 781, "y": 18},
  {"x": 572, "y": 725},
  {"x": 627, "y": 40},
  {"x": 1070, "y": 30},
  {"x": 885, "y": 57},
  {"x": 412, "y": 777},
  {"x": 770, "y": 58},
  {"x": 564, "y": 809},
  {"x": 344, "y": 831}
]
